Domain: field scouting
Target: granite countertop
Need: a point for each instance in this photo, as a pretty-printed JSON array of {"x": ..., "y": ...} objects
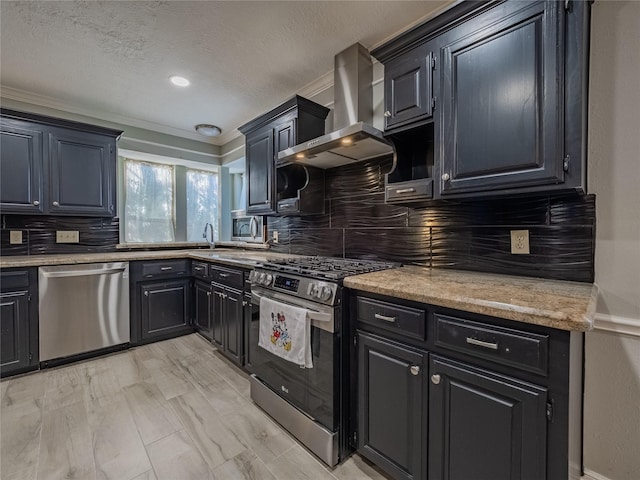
[
  {"x": 231, "y": 256},
  {"x": 551, "y": 303}
]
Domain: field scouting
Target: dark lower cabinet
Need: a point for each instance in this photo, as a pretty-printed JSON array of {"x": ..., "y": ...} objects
[
  {"x": 164, "y": 308},
  {"x": 161, "y": 298},
  {"x": 228, "y": 322},
  {"x": 391, "y": 400},
  {"x": 18, "y": 321},
  {"x": 203, "y": 308},
  {"x": 484, "y": 426}
]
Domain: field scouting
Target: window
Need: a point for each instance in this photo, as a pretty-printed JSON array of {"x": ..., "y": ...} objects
[
  {"x": 148, "y": 210},
  {"x": 167, "y": 203},
  {"x": 202, "y": 188}
]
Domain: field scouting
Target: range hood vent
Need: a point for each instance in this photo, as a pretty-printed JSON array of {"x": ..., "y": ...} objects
[{"x": 354, "y": 139}]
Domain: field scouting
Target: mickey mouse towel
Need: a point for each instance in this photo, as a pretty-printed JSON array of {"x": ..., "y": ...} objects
[{"x": 285, "y": 331}]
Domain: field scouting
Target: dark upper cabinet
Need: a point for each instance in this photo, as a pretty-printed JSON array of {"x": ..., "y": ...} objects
[
  {"x": 21, "y": 167},
  {"x": 82, "y": 173},
  {"x": 408, "y": 87},
  {"x": 56, "y": 167},
  {"x": 18, "y": 321},
  {"x": 391, "y": 419},
  {"x": 295, "y": 121},
  {"x": 500, "y": 109},
  {"x": 501, "y": 94},
  {"x": 484, "y": 426},
  {"x": 259, "y": 170}
]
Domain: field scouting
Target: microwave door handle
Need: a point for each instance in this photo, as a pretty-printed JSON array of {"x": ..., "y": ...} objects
[{"x": 253, "y": 227}]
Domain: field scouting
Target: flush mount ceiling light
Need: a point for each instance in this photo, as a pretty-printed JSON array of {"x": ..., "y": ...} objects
[
  {"x": 208, "y": 130},
  {"x": 179, "y": 81}
]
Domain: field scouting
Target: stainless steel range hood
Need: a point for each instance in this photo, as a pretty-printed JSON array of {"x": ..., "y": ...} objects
[{"x": 354, "y": 139}]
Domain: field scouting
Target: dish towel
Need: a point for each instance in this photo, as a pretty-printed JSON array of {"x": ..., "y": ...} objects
[{"x": 285, "y": 331}]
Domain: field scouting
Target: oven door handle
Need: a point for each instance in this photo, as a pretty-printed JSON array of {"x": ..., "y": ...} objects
[{"x": 313, "y": 314}]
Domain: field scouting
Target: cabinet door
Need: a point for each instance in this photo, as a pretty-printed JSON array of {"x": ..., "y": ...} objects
[
  {"x": 21, "y": 157},
  {"x": 203, "y": 308},
  {"x": 233, "y": 325},
  {"x": 408, "y": 87},
  {"x": 285, "y": 136},
  {"x": 484, "y": 426},
  {"x": 501, "y": 124},
  {"x": 217, "y": 316},
  {"x": 259, "y": 166},
  {"x": 14, "y": 338},
  {"x": 391, "y": 400},
  {"x": 82, "y": 173},
  {"x": 165, "y": 308}
]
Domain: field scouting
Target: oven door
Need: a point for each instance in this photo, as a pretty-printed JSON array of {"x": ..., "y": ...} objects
[{"x": 309, "y": 389}]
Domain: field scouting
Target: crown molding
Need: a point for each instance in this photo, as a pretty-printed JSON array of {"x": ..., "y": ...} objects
[{"x": 50, "y": 102}]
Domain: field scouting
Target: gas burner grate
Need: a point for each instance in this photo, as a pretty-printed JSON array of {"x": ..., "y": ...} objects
[{"x": 327, "y": 267}]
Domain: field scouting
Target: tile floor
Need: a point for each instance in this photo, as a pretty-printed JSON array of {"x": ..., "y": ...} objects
[{"x": 172, "y": 410}]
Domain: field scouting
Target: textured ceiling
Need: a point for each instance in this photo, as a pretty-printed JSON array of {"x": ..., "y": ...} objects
[{"x": 112, "y": 60}]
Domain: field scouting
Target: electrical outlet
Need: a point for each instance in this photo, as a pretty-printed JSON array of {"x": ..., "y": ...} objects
[
  {"x": 67, "y": 236},
  {"x": 15, "y": 237},
  {"x": 520, "y": 242},
  {"x": 275, "y": 236}
]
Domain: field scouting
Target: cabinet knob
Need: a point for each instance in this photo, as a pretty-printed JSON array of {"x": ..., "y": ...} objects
[
  {"x": 387, "y": 114},
  {"x": 36, "y": 203},
  {"x": 56, "y": 204},
  {"x": 446, "y": 177},
  {"x": 415, "y": 369},
  {"x": 435, "y": 379},
  {"x": 245, "y": 303},
  {"x": 146, "y": 293},
  {"x": 208, "y": 294}
]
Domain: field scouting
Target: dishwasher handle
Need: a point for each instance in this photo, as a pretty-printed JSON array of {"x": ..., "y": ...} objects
[{"x": 82, "y": 273}]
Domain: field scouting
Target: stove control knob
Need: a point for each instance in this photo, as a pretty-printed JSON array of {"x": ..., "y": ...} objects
[
  {"x": 325, "y": 293},
  {"x": 313, "y": 290},
  {"x": 269, "y": 279},
  {"x": 262, "y": 279},
  {"x": 252, "y": 276}
]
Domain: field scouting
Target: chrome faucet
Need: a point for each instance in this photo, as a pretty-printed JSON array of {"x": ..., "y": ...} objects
[{"x": 210, "y": 241}]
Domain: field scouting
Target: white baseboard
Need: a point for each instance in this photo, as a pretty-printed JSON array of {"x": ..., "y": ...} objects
[
  {"x": 591, "y": 475},
  {"x": 617, "y": 324}
]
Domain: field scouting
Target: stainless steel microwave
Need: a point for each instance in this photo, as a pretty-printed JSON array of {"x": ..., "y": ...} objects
[{"x": 247, "y": 228}]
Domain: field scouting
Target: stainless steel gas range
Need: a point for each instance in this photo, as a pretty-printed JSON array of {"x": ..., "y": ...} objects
[{"x": 312, "y": 403}]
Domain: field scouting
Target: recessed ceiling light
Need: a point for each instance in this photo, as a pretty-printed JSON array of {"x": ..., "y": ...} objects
[
  {"x": 208, "y": 130},
  {"x": 179, "y": 81}
]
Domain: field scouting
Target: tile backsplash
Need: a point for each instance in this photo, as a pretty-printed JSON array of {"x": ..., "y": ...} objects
[
  {"x": 470, "y": 234},
  {"x": 39, "y": 234}
]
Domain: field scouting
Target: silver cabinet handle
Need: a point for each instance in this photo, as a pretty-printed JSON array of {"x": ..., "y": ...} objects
[
  {"x": 405, "y": 190},
  {"x": 36, "y": 202},
  {"x": 164, "y": 269},
  {"x": 435, "y": 379},
  {"x": 56, "y": 204},
  {"x": 387, "y": 114},
  {"x": 198, "y": 268},
  {"x": 224, "y": 275},
  {"x": 384, "y": 317},
  {"x": 446, "y": 177},
  {"x": 480, "y": 343},
  {"x": 415, "y": 369}
]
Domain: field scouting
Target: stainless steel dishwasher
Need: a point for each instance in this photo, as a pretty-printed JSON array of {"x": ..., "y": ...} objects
[{"x": 83, "y": 308}]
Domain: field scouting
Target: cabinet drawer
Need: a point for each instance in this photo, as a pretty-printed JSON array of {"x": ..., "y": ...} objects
[
  {"x": 165, "y": 268},
  {"x": 200, "y": 270},
  {"x": 14, "y": 279},
  {"x": 406, "y": 321},
  {"x": 225, "y": 276},
  {"x": 524, "y": 350},
  {"x": 410, "y": 191}
]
